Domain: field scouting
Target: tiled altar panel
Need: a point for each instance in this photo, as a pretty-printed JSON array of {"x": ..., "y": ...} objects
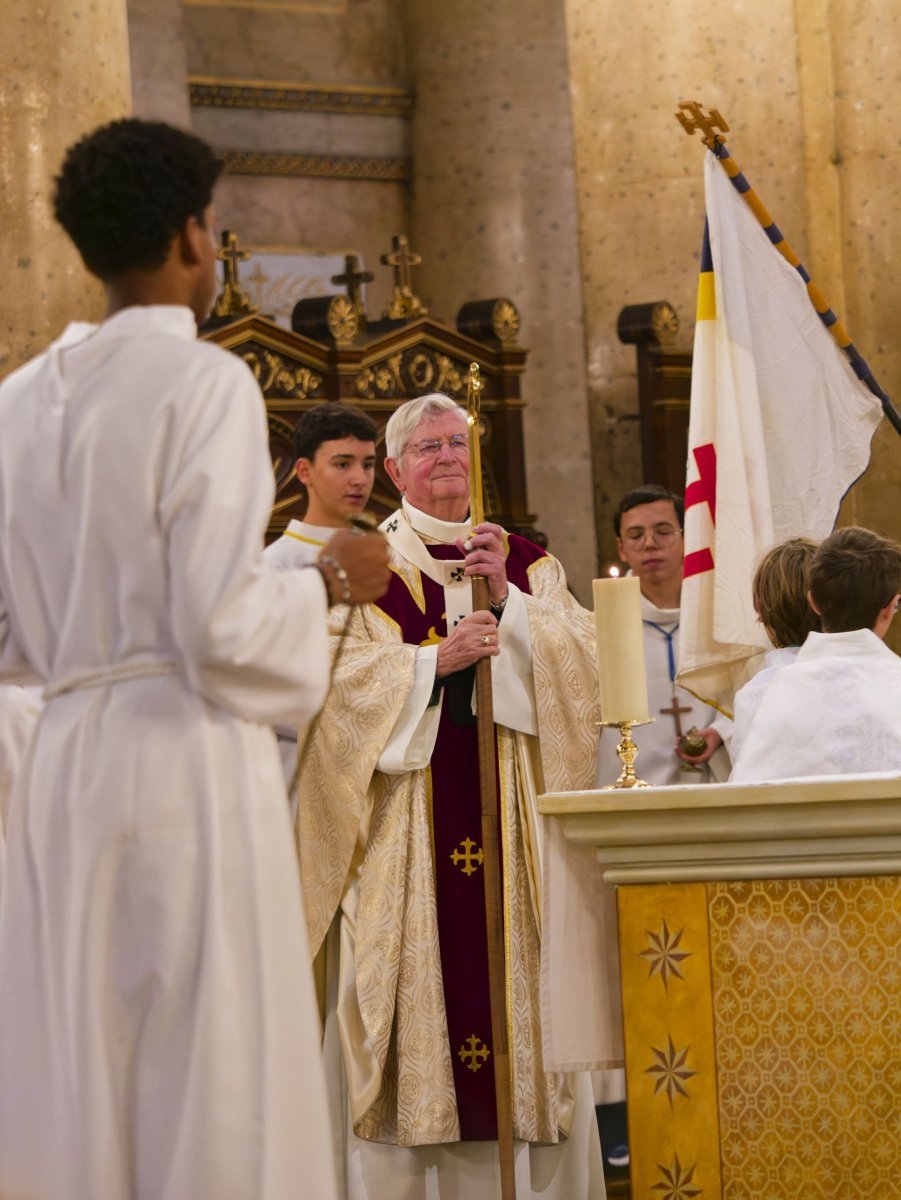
[{"x": 807, "y": 1016}]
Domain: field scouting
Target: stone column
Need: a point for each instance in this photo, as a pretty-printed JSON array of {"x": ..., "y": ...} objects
[
  {"x": 494, "y": 214},
  {"x": 63, "y": 71}
]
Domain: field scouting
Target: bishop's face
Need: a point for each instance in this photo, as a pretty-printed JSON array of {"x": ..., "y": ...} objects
[{"x": 435, "y": 481}]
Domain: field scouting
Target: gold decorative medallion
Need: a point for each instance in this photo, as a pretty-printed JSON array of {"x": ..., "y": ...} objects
[
  {"x": 665, "y": 322},
  {"x": 505, "y": 320},
  {"x": 343, "y": 319}
]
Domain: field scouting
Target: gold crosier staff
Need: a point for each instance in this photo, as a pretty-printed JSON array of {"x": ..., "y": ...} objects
[{"x": 491, "y": 844}]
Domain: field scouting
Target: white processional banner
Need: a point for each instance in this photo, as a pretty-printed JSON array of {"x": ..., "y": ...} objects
[{"x": 780, "y": 427}]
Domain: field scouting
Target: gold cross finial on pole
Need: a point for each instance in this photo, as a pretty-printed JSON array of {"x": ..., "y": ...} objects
[
  {"x": 691, "y": 117},
  {"x": 404, "y": 303},
  {"x": 232, "y": 301},
  {"x": 351, "y": 278}
]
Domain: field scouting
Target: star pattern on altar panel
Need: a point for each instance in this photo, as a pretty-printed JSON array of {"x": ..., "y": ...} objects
[
  {"x": 664, "y": 955},
  {"x": 669, "y": 1071},
  {"x": 675, "y": 1181}
]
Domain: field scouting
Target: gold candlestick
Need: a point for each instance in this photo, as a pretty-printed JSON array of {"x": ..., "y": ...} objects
[{"x": 628, "y": 752}]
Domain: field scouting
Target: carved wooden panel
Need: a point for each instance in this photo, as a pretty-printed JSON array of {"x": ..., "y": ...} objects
[{"x": 377, "y": 372}]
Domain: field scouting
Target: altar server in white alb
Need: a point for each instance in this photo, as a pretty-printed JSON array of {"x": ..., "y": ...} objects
[
  {"x": 836, "y": 710},
  {"x": 19, "y": 710},
  {"x": 648, "y": 525},
  {"x": 779, "y": 593},
  {"x": 158, "y": 1035},
  {"x": 334, "y": 448}
]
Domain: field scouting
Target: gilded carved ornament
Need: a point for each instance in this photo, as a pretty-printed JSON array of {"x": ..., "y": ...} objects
[{"x": 277, "y": 377}]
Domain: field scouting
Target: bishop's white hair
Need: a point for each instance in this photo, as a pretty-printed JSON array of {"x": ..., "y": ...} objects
[{"x": 405, "y": 420}]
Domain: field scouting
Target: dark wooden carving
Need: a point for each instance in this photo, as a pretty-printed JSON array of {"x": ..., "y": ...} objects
[
  {"x": 664, "y": 390},
  {"x": 392, "y": 361}
]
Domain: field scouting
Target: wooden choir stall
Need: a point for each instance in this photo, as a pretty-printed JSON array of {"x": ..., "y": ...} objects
[
  {"x": 335, "y": 351},
  {"x": 760, "y": 959}
]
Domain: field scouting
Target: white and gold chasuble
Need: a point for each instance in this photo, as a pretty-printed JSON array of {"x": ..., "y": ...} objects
[{"x": 366, "y": 841}]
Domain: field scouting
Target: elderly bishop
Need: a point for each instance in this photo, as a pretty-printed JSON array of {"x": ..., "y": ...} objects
[{"x": 390, "y": 836}]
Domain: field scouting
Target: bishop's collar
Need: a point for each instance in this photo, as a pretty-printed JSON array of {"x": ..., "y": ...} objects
[{"x": 432, "y": 527}]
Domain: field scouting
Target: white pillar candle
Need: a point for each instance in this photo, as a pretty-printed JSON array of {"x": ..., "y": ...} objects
[{"x": 617, "y": 618}]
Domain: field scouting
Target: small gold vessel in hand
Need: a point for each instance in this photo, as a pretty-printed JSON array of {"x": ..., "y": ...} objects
[{"x": 693, "y": 743}]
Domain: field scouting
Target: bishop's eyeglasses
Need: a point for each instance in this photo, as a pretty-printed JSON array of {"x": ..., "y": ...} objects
[
  {"x": 663, "y": 535},
  {"x": 458, "y": 444}
]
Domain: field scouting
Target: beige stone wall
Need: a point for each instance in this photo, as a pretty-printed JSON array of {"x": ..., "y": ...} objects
[
  {"x": 48, "y": 100},
  {"x": 807, "y": 89},
  {"x": 352, "y": 45},
  {"x": 159, "y": 62},
  {"x": 640, "y": 178},
  {"x": 494, "y": 214}
]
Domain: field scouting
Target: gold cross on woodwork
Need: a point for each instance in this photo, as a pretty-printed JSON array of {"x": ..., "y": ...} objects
[
  {"x": 404, "y": 303},
  {"x": 401, "y": 259},
  {"x": 351, "y": 278},
  {"x": 473, "y": 1049},
  {"x": 231, "y": 254},
  {"x": 467, "y": 858},
  {"x": 232, "y": 301},
  {"x": 692, "y": 118}
]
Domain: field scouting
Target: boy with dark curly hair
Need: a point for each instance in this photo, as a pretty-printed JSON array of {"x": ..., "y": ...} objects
[{"x": 158, "y": 1033}]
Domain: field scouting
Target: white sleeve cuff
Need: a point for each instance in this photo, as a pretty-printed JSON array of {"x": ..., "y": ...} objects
[
  {"x": 513, "y": 692},
  {"x": 412, "y": 740}
]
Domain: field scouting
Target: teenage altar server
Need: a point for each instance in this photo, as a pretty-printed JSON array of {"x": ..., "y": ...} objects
[
  {"x": 334, "y": 449},
  {"x": 158, "y": 1034}
]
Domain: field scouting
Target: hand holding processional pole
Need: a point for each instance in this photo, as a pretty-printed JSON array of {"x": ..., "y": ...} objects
[
  {"x": 692, "y": 118},
  {"x": 491, "y": 842}
]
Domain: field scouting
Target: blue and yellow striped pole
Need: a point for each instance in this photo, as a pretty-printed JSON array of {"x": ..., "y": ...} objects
[{"x": 692, "y": 118}]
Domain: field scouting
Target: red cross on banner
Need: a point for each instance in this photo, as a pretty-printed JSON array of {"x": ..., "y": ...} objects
[{"x": 702, "y": 491}]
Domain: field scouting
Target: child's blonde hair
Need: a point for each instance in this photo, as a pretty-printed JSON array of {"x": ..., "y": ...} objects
[{"x": 779, "y": 591}]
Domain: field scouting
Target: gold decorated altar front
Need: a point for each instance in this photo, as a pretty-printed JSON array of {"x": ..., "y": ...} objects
[{"x": 759, "y": 933}]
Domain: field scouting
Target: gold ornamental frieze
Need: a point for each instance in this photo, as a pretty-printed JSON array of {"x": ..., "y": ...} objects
[
  {"x": 415, "y": 370},
  {"x": 316, "y": 166},
  {"x": 357, "y": 100},
  {"x": 278, "y": 377}
]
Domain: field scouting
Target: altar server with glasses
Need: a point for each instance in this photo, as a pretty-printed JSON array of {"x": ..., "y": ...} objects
[{"x": 648, "y": 525}]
